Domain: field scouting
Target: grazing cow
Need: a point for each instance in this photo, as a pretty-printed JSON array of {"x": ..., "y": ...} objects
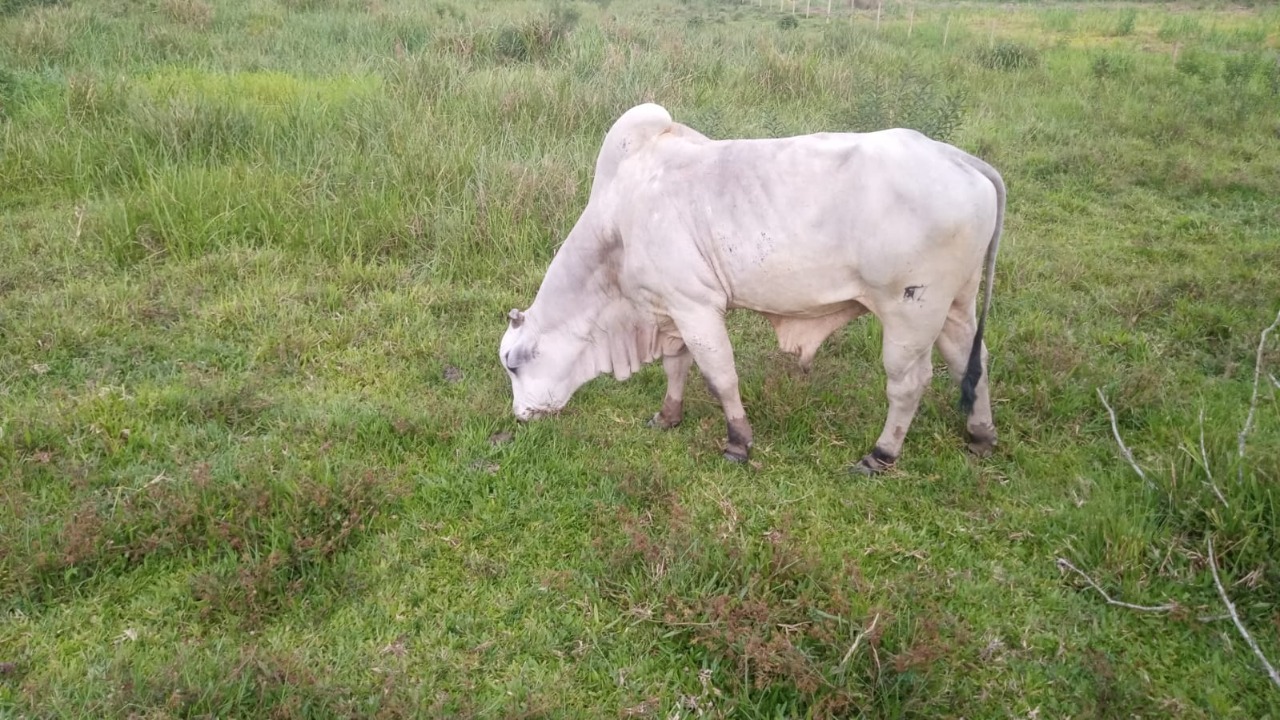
[{"x": 810, "y": 231}]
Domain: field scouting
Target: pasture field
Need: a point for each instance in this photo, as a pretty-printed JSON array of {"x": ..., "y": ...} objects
[{"x": 257, "y": 457}]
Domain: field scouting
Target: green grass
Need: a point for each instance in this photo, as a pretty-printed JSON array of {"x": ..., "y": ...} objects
[{"x": 257, "y": 258}]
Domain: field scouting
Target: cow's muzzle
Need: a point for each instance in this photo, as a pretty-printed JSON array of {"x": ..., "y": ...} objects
[{"x": 529, "y": 414}]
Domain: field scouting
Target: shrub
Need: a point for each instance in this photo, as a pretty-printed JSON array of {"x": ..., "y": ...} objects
[
  {"x": 910, "y": 102},
  {"x": 1196, "y": 64},
  {"x": 1238, "y": 70},
  {"x": 788, "y": 22}
]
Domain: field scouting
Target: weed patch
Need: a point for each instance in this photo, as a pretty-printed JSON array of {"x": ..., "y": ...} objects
[
  {"x": 270, "y": 530},
  {"x": 772, "y": 627}
]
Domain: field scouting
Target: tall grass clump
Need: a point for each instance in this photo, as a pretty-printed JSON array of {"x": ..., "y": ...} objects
[
  {"x": 1125, "y": 22},
  {"x": 12, "y": 7},
  {"x": 1180, "y": 27},
  {"x": 1007, "y": 55},
  {"x": 1112, "y": 65},
  {"x": 1060, "y": 20},
  {"x": 535, "y": 39}
]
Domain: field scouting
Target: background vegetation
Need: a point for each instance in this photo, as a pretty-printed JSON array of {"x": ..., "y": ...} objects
[{"x": 254, "y": 449}]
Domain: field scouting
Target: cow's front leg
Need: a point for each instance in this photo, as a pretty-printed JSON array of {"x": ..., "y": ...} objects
[
  {"x": 908, "y": 367},
  {"x": 677, "y": 369},
  {"x": 707, "y": 340}
]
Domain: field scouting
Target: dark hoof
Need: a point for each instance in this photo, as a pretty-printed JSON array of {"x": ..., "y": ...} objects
[
  {"x": 735, "y": 456},
  {"x": 863, "y": 469},
  {"x": 669, "y": 416},
  {"x": 981, "y": 448},
  {"x": 662, "y": 423},
  {"x": 873, "y": 463},
  {"x": 981, "y": 445}
]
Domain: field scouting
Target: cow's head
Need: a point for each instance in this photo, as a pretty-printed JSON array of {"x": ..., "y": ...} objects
[{"x": 545, "y": 368}]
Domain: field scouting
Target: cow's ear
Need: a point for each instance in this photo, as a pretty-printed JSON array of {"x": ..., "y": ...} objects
[{"x": 515, "y": 317}]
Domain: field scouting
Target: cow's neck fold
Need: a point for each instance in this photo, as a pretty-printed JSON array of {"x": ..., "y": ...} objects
[{"x": 581, "y": 301}]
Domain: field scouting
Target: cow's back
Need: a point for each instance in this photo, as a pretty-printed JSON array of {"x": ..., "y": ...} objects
[{"x": 796, "y": 225}]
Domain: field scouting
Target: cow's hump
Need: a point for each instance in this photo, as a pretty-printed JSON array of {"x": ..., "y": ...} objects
[{"x": 630, "y": 133}]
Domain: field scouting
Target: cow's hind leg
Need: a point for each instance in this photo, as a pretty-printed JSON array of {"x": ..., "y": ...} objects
[
  {"x": 907, "y": 351},
  {"x": 708, "y": 341},
  {"x": 677, "y": 368},
  {"x": 955, "y": 343}
]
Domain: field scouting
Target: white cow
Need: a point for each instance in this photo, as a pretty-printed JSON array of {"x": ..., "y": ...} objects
[{"x": 810, "y": 231}]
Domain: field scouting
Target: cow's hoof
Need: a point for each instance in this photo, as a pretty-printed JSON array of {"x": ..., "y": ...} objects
[
  {"x": 735, "y": 456},
  {"x": 873, "y": 463},
  {"x": 662, "y": 422},
  {"x": 981, "y": 448},
  {"x": 669, "y": 416},
  {"x": 981, "y": 444},
  {"x": 865, "y": 468}
]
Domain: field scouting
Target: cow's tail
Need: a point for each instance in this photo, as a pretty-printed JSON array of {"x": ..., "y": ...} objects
[{"x": 973, "y": 373}]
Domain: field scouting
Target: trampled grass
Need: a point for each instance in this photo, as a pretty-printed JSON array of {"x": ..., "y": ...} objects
[{"x": 257, "y": 257}]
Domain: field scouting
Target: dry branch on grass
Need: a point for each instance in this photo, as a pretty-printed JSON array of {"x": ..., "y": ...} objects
[
  {"x": 1253, "y": 401},
  {"x": 1204, "y": 458},
  {"x": 1063, "y": 563},
  {"x": 1235, "y": 617},
  {"x": 1123, "y": 448},
  {"x": 858, "y": 640}
]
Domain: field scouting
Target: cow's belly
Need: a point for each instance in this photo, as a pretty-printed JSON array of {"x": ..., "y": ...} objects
[{"x": 783, "y": 288}]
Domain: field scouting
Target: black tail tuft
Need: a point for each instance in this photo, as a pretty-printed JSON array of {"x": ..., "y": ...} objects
[{"x": 973, "y": 373}]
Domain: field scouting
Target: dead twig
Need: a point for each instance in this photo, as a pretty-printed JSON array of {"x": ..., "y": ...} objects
[
  {"x": 858, "y": 640},
  {"x": 1123, "y": 448},
  {"x": 1253, "y": 402},
  {"x": 1064, "y": 563},
  {"x": 1204, "y": 458},
  {"x": 1231, "y": 608}
]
